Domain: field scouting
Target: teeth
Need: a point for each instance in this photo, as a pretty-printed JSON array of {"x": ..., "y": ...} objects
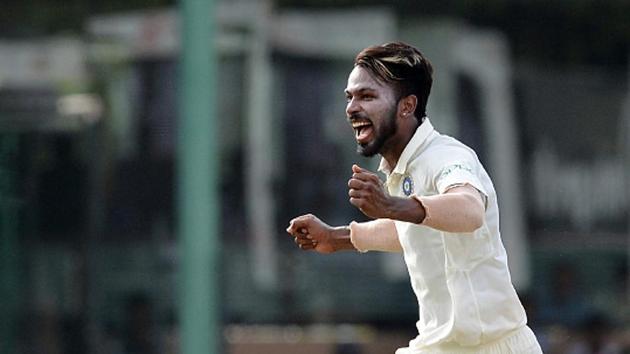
[{"x": 360, "y": 124}]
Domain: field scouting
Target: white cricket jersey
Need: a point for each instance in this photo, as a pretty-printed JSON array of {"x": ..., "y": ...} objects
[{"x": 462, "y": 282}]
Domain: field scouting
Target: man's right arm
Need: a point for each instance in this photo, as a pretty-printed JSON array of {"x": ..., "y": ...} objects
[
  {"x": 310, "y": 233},
  {"x": 340, "y": 236},
  {"x": 375, "y": 235}
]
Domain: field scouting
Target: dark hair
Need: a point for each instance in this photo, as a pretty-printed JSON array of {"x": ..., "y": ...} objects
[{"x": 404, "y": 67}]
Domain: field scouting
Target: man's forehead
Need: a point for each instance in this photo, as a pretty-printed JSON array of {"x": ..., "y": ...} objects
[{"x": 362, "y": 79}]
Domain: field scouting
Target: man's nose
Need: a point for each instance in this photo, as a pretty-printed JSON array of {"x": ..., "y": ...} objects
[{"x": 352, "y": 108}]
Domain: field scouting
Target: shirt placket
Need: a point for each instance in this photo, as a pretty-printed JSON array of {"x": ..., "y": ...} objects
[{"x": 392, "y": 184}]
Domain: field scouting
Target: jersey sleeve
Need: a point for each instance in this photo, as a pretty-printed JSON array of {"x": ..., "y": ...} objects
[{"x": 461, "y": 169}]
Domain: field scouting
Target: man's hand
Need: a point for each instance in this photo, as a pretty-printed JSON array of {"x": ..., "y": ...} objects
[
  {"x": 368, "y": 194},
  {"x": 311, "y": 233}
]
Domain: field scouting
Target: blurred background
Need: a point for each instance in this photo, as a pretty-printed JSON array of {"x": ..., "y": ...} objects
[{"x": 89, "y": 250}]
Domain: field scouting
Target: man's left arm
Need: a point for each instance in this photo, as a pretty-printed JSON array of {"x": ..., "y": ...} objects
[{"x": 459, "y": 209}]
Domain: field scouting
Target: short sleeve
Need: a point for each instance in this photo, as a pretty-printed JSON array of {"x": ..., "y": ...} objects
[{"x": 456, "y": 174}]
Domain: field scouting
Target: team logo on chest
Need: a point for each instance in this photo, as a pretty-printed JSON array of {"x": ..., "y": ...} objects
[{"x": 407, "y": 185}]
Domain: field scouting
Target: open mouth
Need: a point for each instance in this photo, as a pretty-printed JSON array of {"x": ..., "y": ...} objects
[{"x": 363, "y": 131}]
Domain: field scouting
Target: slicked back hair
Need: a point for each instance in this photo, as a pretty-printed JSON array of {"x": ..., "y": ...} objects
[{"x": 402, "y": 66}]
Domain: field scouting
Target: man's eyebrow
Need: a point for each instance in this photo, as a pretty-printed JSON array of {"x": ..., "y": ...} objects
[{"x": 360, "y": 90}]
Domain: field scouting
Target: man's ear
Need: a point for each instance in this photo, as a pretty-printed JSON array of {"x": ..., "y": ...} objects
[{"x": 407, "y": 106}]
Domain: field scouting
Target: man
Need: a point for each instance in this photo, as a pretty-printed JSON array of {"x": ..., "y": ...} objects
[{"x": 438, "y": 206}]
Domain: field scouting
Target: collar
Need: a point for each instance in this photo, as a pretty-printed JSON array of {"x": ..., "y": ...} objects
[{"x": 418, "y": 138}]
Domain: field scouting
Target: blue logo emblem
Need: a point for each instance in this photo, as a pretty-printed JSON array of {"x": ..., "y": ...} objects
[{"x": 407, "y": 186}]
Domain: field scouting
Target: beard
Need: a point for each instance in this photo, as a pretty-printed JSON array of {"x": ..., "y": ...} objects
[{"x": 382, "y": 133}]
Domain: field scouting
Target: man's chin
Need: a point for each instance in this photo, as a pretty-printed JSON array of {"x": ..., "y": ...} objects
[{"x": 367, "y": 150}]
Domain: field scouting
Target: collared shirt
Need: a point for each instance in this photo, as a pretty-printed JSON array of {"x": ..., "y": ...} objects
[{"x": 462, "y": 282}]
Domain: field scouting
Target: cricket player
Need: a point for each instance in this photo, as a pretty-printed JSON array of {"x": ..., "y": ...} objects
[{"x": 437, "y": 206}]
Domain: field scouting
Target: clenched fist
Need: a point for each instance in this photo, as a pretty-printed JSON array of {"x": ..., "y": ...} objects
[{"x": 368, "y": 194}]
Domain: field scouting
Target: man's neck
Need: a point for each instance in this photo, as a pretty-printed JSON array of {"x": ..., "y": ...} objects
[{"x": 395, "y": 148}]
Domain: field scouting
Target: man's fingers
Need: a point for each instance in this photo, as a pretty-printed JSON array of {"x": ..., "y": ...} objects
[
  {"x": 356, "y": 183},
  {"x": 292, "y": 231},
  {"x": 367, "y": 177},
  {"x": 290, "y": 227},
  {"x": 303, "y": 241},
  {"x": 300, "y": 224},
  {"x": 307, "y": 247},
  {"x": 356, "y": 193},
  {"x": 300, "y": 229},
  {"x": 361, "y": 176},
  {"x": 357, "y": 202},
  {"x": 293, "y": 226}
]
